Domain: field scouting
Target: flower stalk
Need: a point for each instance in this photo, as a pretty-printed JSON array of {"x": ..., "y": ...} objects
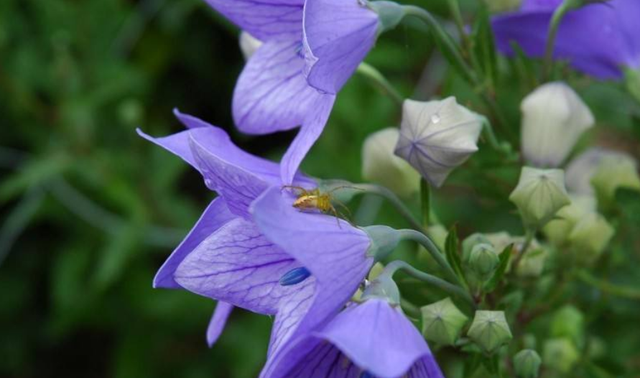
[{"x": 378, "y": 79}]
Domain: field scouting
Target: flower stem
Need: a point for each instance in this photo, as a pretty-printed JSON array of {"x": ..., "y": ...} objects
[
  {"x": 608, "y": 287},
  {"x": 527, "y": 242},
  {"x": 433, "y": 250},
  {"x": 443, "y": 285},
  {"x": 554, "y": 25},
  {"x": 394, "y": 200},
  {"x": 379, "y": 80},
  {"x": 425, "y": 201}
]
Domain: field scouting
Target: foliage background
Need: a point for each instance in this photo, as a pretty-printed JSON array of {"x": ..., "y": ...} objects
[{"x": 89, "y": 210}]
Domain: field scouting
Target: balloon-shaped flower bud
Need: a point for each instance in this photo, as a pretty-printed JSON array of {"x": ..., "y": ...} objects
[
  {"x": 613, "y": 172},
  {"x": 532, "y": 263},
  {"x": 471, "y": 241},
  {"x": 581, "y": 169},
  {"x": 248, "y": 44},
  {"x": 539, "y": 195},
  {"x": 526, "y": 363},
  {"x": 381, "y": 166},
  {"x": 483, "y": 260},
  {"x": 437, "y": 136},
  {"x": 560, "y": 354},
  {"x": 590, "y": 237},
  {"x": 558, "y": 229},
  {"x": 553, "y": 118},
  {"x": 568, "y": 322},
  {"x": 490, "y": 330},
  {"x": 502, "y": 5},
  {"x": 442, "y": 322}
]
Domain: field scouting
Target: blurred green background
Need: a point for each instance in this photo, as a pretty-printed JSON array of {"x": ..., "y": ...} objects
[{"x": 90, "y": 211}]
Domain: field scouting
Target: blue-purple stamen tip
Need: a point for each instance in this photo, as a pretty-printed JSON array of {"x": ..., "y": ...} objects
[
  {"x": 366, "y": 374},
  {"x": 294, "y": 276}
]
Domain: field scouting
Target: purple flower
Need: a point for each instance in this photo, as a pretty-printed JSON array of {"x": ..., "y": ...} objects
[
  {"x": 372, "y": 339},
  {"x": 272, "y": 93},
  {"x": 238, "y": 261},
  {"x": 598, "y": 39}
]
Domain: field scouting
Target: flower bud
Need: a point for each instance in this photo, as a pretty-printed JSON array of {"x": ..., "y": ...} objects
[
  {"x": 532, "y": 263},
  {"x": 483, "y": 260},
  {"x": 471, "y": 241},
  {"x": 381, "y": 166},
  {"x": 539, "y": 195},
  {"x": 437, "y": 136},
  {"x": 248, "y": 44},
  {"x": 581, "y": 169},
  {"x": 442, "y": 322},
  {"x": 527, "y": 363},
  {"x": 502, "y": 5},
  {"x": 590, "y": 237},
  {"x": 560, "y": 354},
  {"x": 558, "y": 229},
  {"x": 490, "y": 330},
  {"x": 553, "y": 118},
  {"x": 568, "y": 322},
  {"x": 614, "y": 172}
]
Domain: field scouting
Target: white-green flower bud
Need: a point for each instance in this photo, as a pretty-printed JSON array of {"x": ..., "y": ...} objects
[
  {"x": 526, "y": 363},
  {"x": 248, "y": 44},
  {"x": 539, "y": 195},
  {"x": 437, "y": 136},
  {"x": 442, "y": 322},
  {"x": 483, "y": 260},
  {"x": 558, "y": 229},
  {"x": 490, "y": 330},
  {"x": 532, "y": 263},
  {"x": 471, "y": 241},
  {"x": 560, "y": 354},
  {"x": 590, "y": 237},
  {"x": 568, "y": 322},
  {"x": 497, "y": 6},
  {"x": 614, "y": 172},
  {"x": 380, "y": 165},
  {"x": 499, "y": 240},
  {"x": 553, "y": 118},
  {"x": 581, "y": 169}
]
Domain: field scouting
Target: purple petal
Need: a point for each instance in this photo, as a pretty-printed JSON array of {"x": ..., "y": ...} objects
[
  {"x": 272, "y": 94},
  {"x": 338, "y": 34},
  {"x": 236, "y": 264},
  {"x": 306, "y": 137},
  {"x": 218, "y": 321},
  {"x": 264, "y": 19},
  {"x": 333, "y": 250},
  {"x": 215, "y": 216},
  {"x": 597, "y": 39}
]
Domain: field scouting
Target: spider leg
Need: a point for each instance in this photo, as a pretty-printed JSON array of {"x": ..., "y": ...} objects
[
  {"x": 301, "y": 191},
  {"x": 335, "y": 214},
  {"x": 344, "y": 187}
]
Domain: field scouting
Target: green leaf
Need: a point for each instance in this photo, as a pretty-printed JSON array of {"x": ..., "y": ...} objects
[
  {"x": 452, "y": 254},
  {"x": 628, "y": 201},
  {"x": 505, "y": 258},
  {"x": 484, "y": 48}
]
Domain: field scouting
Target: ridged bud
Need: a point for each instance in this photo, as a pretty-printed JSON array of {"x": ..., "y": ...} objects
[
  {"x": 526, "y": 363},
  {"x": 380, "y": 165},
  {"x": 590, "y": 236},
  {"x": 558, "y": 229},
  {"x": 553, "y": 118},
  {"x": 442, "y": 322},
  {"x": 471, "y": 241},
  {"x": 560, "y": 354},
  {"x": 614, "y": 172},
  {"x": 539, "y": 195},
  {"x": 532, "y": 263},
  {"x": 581, "y": 169},
  {"x": 437, "y": 136},
  {"x": 483, "y": 260},
  {"x": 490, "y": 330}
]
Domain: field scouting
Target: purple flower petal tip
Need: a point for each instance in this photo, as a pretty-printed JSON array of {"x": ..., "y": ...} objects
[
  {"x": 218, "y": 322},
  {"x": 338, "y": 34}
]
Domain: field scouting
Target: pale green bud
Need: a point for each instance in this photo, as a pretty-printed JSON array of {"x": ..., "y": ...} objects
[
  {"x": 382, "y": 166},
  {"x": 442, "y": 322},
  {"x": 553, "y": 118},
  {"x": 612, "y": 173},
  {"x": 527, "y": 363},
  {"x": 560, "y": 354},
  {"x": 568, "y": 322},
  {"x": 581, "y": 169},
  {"x": 558, "y": 229},
  {"x": 471, "y": 241},
  {"x": 590, "y": 237},
  {"x": 532, "y": 263},
  {"x": 483, "y": 260},
  {"x": 499, "y": 240},
  {"x": 248, "y": 44},
  {"x": 490, "y": 330},
  {"x": 539, "y": 195},
  {"x": 502, "y": 5}
]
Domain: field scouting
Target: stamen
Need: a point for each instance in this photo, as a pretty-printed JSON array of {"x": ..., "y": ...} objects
[{"x": 294, "y": 276}]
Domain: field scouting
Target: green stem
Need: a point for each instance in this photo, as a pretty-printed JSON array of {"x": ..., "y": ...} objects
[
  {"x": 433, "y": 250},
  {"x": 379, "y": 80},
  {"x": 445, "y": 286},
  {"x": 527, "y": 243},
  {"x": 608, "y": 287},
  {"x": 557, "y": 17},
  {"x": 454, "y": 7},
  {"x": 394, "y": 200},
  {"x": 425, "y": 202}
]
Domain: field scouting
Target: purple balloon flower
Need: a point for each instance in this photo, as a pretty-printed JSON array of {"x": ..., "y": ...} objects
[
  {"x": 372, "y": 339},
  {"x": 598, "y": 39},
  {"x": 238, "y": 261},
  {"x": 272, "y": 93}
]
